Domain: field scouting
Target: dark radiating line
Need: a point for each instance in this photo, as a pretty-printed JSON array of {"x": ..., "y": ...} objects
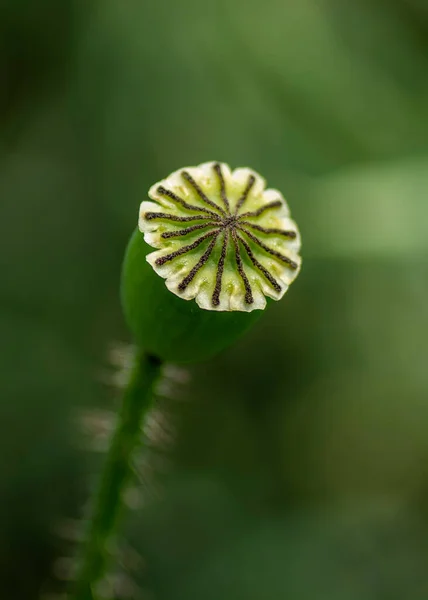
[
  {"x": 248, "y": 291},
  {"x": 262, "y": 209},
  {"x": 164, "y": 192},
  {"x": 162, "y": 260},
  {"x": 274, "y": 230},
  {"x": 217, "y": 169},
  {"x": 215, "y": 300},
  {"x": 200, "y": 192},
  {"x": 270, "y": 251},
  {"x": 183, "y": 285},
  {"x": 259, "y": 266},
  {"x": 149, "y": 216},
  {"x": 181, "y": 232},
  {"x": 251, "y": 182}
]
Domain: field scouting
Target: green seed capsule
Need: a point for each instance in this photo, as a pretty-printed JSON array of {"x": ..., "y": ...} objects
[{"x": 223, "y": 242}]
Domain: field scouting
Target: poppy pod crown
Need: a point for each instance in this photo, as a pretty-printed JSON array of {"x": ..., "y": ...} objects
[{"x": 222, "y": 238}]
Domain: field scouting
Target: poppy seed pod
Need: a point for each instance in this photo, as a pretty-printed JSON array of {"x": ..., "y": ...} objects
[{"x": 223, "y": 243}]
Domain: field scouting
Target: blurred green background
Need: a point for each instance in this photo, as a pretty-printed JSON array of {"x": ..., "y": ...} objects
[{"x": 298, "y": 466}]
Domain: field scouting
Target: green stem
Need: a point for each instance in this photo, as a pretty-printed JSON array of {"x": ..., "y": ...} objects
[{"x": 117, "y": 470}]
